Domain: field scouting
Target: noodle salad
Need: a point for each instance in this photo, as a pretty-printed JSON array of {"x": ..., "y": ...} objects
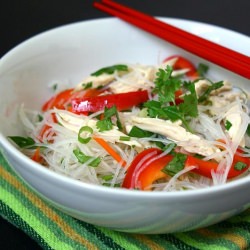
[{"x": 154, "y": 128}]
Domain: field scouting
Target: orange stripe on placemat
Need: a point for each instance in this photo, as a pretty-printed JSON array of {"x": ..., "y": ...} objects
[
  {"x": 147, "y": 241},
  {"x": 68, "y": 231},
  {"x": 236, "y": 239}
]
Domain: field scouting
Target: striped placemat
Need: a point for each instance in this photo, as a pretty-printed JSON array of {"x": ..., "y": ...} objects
[{"x": 52, "y": 229}]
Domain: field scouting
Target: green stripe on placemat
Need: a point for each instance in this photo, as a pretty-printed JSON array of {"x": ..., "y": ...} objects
[
  {"x": 16, "y": 220},
  {"x": 52, "y": 229}
]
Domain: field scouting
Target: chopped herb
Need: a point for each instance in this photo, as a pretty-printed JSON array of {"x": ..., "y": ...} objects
[
  {"x": 207, "y": 92},
  {"x": 82, "y": 158},
  {"x": 124, "y": 138},
  {"x": 202, "y": 69},
  {"x": 190, "y": 105},
  {"x": 23, "y": 142},
  {"x": 84, "y": 129},
  {"x": 110, "y": 70},
  {"x": 248, "y": 130},
  {"x": 99, "y": 87},
  {"x": 87, "y": 85},
  {"x": 174, "y": 113},
  {"x": 54, "y": 87},
  {"x": 240, "y": 165},
  {"x": 109, "y": 184},
  {"x": 40, "y": 117},
  {"x": 176, "y": 165},
  {"x": 166, "y": 86},
  {"x": 106, "y": 123},
  {"x": 199, "y": 156},
  {"x": 228, "y": 125},
  {"x": 155, "y": 109},
  {"x": 139, "y": 133},
  {"x": 107, "y": 177}
]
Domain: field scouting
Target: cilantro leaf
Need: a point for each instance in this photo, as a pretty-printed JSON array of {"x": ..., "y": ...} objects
[
  {"x": 190, "y": 105},
  {"x": 155, "y": 109},
  {"x": 165, "y": 85},
  {"x": 240, "y": 165},
  {"x": 175, "y": 165},
  {"x": 202, "y": 69},
  {"x": 106, "y": 123},
  {"x": 139, "y": 133},
  {"x": 174, "y": 114},
  {"x": 228, "y": 125},
  {"x": 165, "y": 108},
  {"x": 110, "y": 70}
]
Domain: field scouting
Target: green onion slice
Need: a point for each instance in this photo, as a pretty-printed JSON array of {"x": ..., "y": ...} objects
[{"x": 87, "y": 129}]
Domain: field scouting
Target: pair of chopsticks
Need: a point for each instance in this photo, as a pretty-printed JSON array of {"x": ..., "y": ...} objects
[{"x": 215, "y": 53}]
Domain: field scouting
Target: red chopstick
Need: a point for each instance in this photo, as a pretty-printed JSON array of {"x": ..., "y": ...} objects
[
  {"x": 227, "y": 58},
  {"x": 177, "y": 31}
]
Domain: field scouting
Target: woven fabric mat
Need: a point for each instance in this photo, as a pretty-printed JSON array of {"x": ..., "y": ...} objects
[{"x": 52, "y": 229}]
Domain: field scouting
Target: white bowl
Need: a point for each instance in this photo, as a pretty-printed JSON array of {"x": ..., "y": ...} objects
[{"x": 69, "y": 53}]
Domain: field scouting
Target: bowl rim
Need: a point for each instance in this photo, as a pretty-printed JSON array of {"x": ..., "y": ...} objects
[{"x": 5, "y": 144}]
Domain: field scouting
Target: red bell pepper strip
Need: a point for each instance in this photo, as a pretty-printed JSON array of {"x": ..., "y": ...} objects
[
  {"x": 139, "y": 161},
  {"x": 45, "y": 128},
  {"x": 122, "y": 101},
  {"x": 58, "y": 101},
  {"x": 153, "y": 172},
  {"x": 140, "y": 176},
  {"x": 37, "y": 156},
  {"x": 183, "y": 63},
  {"x": 205, "y": 168},
  {"x": 63, "y": 99}
]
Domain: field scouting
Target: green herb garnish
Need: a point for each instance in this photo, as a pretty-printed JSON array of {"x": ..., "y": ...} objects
[
  {"x": 248, "y": 130},
  {"x": 240, "y": 165},
  {"x": 202, "y": 69},
  {"x": 87, "y": 85},
  {"x": 139, "y": 133},
  {"x": 108, "y": 177},
  {"x": 110, "y": 70},
  {"x": 166, "y": 87},
  {"x": 54, "y": 87},
  {"x": 84, "y": 129},
  {"x": 106, "y": 123},
  {"x": 23, "y": 142},
  {"x": 40, "y": 117},
  {"x": 228, "y": 125},
  {"x": 82, "y": 158},
  {"x": 124, "y": 138},
  {"x": 190, "y": 105},
  {"x": 207, "y": 92},
  {"x": 175, "y": 165}
]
